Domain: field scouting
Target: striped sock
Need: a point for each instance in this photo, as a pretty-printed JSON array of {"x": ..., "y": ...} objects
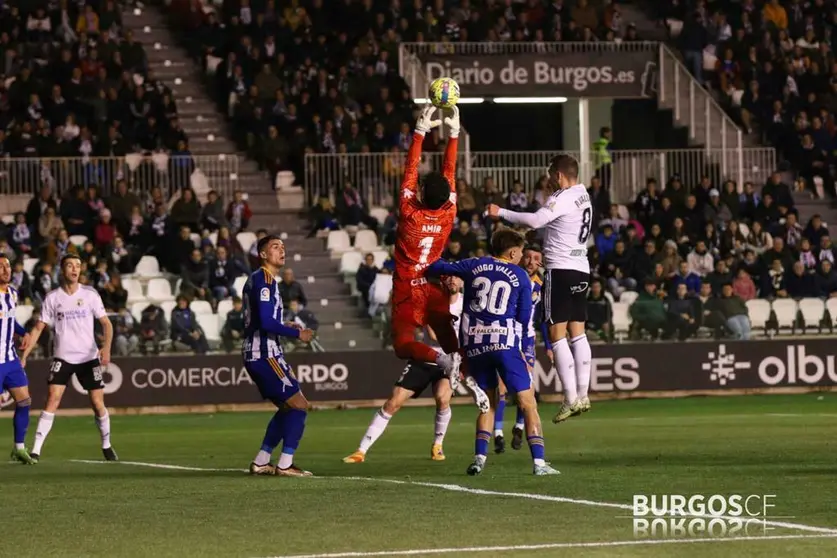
[
  {"x": 536, "y": 448},
  {"x": 481, "y": 444}
]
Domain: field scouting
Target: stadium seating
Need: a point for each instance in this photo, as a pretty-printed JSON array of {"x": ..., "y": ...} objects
[
  {"x": 238, "y": 285},
  {"x": 147, "y": 268},
  {"x": 759, "y": 311},
  {"x": 159, "y": 290},
  {"x": 785, "y": 311},
  {"x": 350, "y": 262},
  {"x": 200, "y": 307},
  {"x": 23, "y": 312},
  {"x": 134, "y": 289},
  {"x": 812, "y": 311},
  {"x": 621, "y": 319},
  {"x": 338, "y": 242}
]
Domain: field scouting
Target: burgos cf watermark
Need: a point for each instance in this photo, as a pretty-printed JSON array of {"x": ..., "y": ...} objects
[{"x": 716, "y": 515}]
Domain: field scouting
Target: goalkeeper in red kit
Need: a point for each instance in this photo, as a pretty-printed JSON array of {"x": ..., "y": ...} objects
[{"x": 427, "y": 211}]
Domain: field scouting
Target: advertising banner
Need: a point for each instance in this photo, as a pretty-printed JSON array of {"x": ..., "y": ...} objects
[
  {"x": 361, "y": 375},
  {"x": 613, "y": 74}
]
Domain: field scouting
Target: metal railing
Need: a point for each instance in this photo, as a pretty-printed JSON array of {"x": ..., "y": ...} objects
[
  {"x": 707, "y": 122},
  {"x": 25, "y": 176},
  {"x": 378, "y": 175},
  {"x": 529, "y": 47}
]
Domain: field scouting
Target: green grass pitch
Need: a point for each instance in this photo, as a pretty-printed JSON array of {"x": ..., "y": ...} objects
[{"x": 782, "y": 445}]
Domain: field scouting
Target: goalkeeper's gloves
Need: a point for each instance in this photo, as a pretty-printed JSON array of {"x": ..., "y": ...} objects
[
  {"x": 453, "y": 122},
  {"x": 425, "y": 121}
]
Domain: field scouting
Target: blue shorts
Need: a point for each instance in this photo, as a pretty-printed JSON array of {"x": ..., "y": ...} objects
[
  {"x": 510, "y": 365},
  {"x": 274, "y": 378},
  {"x": 12, "y": 375}
]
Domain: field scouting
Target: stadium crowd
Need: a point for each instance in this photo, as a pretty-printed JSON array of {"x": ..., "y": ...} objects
[
  {"x": 301, "y": 77},
  {"x": 77, "y": 84},
  {"x": 772, "y": 64},
  {"x": 197, "y": 248}
]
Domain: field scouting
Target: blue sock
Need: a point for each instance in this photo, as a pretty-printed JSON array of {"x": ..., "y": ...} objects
[
  {"x": 481, "y": 444},
  {"x": 294, "y": 427},
  {"x": 536, "y": 447},
  {"x": 498, "y": 413},
  {"x": 21, "y": 421},
  {"x": 519, "y": 419},
  {"x": 273, "y": 434}
]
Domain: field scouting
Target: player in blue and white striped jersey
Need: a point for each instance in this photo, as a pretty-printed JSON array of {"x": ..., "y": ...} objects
[
  {"x": 265, "y": 363},
  {"x": 12, "y": 376},
  {"x": 494, "y": 334}
]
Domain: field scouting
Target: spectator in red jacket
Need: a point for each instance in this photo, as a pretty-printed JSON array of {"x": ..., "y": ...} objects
[{"x": 105, "y": 231}]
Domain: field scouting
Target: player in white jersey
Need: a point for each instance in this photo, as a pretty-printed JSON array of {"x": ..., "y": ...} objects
[
  {"x": 416, "y": 378},
  {"x": 71, "y": 311},
  {"x": 568, "y": 218}
]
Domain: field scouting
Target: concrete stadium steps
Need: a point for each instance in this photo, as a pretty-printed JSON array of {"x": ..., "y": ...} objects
[
  {"x": 199, "y": 116},
  {"x": 197, "y": 110}
]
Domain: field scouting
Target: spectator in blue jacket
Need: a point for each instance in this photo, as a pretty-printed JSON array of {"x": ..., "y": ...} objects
[
  {"x": 606, "y": 240},
  {"x": 185, "y": 328},
  {"x": 684, "y": 276}
]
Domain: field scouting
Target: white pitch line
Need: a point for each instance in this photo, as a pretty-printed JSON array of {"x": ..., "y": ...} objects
[
  {"x": 483, "y": 492},
  {"x": 549, "y": 546}
]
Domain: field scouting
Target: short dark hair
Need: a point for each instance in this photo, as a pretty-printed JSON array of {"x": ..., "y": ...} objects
[
  {"x": 264, "y": 241},
  {"x": 533, "y": 248},
  {"x": 435, "y": 190},
  {"x": 504, "y": 240},
  {"x": 566, "y": 165},
  {"x": 67, "y": 257}
]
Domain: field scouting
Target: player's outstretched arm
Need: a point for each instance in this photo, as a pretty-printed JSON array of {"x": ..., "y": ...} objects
[
  {"x": 439, "y": 268},
  {"x": 424, "y": 124},
  {"x": 536, "y": 220},
  {"x": 451, "y": 151}
]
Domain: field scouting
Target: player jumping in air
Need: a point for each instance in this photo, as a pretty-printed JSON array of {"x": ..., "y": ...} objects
[
  {"x": 427, "y": 210},
  {"x": 265, "y": 362},
  {"x": 494, "y": 330},
  {"x": 416, "y": 378},
  {"x": 70, "y": 310},
  {"x": 568, "y": 219},
  {"x": 531, "y": 262},
  {"x": 12, "y": 376}
]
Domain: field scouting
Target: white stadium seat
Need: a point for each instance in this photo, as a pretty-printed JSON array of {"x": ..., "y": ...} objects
[
  {"x": 29, "y": 265},
  {"x": 200, "y": 307},
  {"x": 23, "y": 313},
  {"x": 238, "y": 285},
  {"x": 78, "y": 239},
  {"x": 379, "y": 213},
  {"x": 831, "y": 306},
  {"x": 812, "y": 310},
  {"x": 621, "y": 319},
  {"x": 246, "y": 239},
  {"x": 785, "y": 310},
  {"x": 159, "y": 290},
  {"x": 338, "y": 242},
  {"x": 167, "y": 309},
  {"x": 148, "y": 267},
  {"x": 366, "y": 241},
  {"x": 380, "y": 257},
  {"x": 759, "y": 311},
  {"x": 134, "y": 290},
  {"x": 136, "y": 310},
  {"x": 224, "y": 308},
  {"x": 349, "y": 262},
  {"x": 211, "y": 328},
  {"x": 629, "y": 297},
  {"x": 213, "y": 238}
]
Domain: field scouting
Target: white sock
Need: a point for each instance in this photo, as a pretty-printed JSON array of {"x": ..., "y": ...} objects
[
  {"x": 19, "y": 446},
  {"x": 286, "y": 460},
  {"x": 539, "y": 462},
  {"x": 480, "y": 459},
  {"x": 44, "y": 426},
  {"x": 376, "y": 428},
  {"x": 519, "y": 425},
  {"x": 103, "y": 422},
  {"x": 583, "y": 357},
  {"x": 262, "y": 458},
  {"x": 442, "y": 421},
  {"x": 565, "y": 363},
  {"x": 498, "y": 433}
]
